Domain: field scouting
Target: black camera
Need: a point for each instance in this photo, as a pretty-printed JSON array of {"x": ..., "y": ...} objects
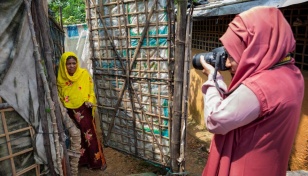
[{"x": 217, "y": 58}]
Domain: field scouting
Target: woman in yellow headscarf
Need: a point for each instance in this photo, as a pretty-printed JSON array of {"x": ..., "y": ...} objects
[{"x": 76, "y": 91}]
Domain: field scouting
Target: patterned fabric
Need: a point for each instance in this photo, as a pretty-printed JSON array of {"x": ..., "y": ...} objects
[
  {"x": 91, "y": 149},
  {"x": 74, "y": 90}
]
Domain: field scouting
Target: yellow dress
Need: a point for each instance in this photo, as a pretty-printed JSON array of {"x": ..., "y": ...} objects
[{"x": 74, "y": 91}]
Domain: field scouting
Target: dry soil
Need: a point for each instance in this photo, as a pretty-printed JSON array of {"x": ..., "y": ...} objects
[{"x": 121, "y": 164}]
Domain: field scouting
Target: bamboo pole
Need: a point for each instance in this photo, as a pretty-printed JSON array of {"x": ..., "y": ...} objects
[
  {"x": 46, "y": 87},
  {"x": 171, "y": 36},
  {"x": 44, "y": 121},
  {"x": 43, "y": 25},
  {"x": 178, "y": 83},
  {"x": 181, "y": 159},
  {"x": 42, "y": 111}
]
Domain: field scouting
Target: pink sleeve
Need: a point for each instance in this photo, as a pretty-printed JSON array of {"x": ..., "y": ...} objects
[{"x": 223, "y": 115}]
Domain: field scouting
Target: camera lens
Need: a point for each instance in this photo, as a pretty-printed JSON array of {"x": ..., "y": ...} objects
[{"x": 208, "y": 57}]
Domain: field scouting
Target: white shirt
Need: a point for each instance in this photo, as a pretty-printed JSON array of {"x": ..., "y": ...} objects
[{"x": 223, "y": 115}]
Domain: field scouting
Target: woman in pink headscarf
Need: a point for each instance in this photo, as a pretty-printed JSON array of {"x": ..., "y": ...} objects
[{"x": 256, "y": 122}]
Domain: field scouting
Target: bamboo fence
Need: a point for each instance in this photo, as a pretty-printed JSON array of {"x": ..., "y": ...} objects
[
  {"x": 132, "y": 44},
  {"x": 16, "y": 147}
]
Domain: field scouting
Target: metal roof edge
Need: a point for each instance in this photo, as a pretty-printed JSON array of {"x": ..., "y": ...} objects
[{"x": 237, "y": 6}]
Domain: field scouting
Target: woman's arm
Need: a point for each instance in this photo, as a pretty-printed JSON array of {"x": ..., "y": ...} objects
[{"x": 223, "y": 115}]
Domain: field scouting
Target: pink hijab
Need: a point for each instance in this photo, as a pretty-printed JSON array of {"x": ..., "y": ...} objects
[{"x": 257, "y": 39}]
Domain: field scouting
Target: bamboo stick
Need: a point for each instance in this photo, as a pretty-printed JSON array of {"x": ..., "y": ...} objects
[
  {"x": 46, "y": 87},
  {"x": 43, "y": 25},
  {"x": 170, "y": 39},
  {"x": 178, "y": 83},
  {"x": 42, "y": 111},
  {"x": 44, "y": 122},
  {"x": 181, "y": 159}
]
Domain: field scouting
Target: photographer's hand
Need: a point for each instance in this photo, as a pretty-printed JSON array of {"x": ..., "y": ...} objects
[{"x": 207, "y": 68}]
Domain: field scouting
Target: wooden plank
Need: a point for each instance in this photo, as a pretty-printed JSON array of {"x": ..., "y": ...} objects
[
  {"x": 27, "y": 169},
  {"x": 11, "y": 155}
]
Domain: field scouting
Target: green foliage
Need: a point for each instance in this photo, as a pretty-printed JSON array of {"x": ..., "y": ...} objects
[{"x": 73, "y": 11}]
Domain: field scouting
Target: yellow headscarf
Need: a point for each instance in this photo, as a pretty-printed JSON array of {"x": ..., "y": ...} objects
[{"x": 74, "y": 90}]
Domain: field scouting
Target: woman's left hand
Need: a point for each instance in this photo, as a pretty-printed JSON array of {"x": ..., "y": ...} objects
[
  {"x": 207, "y": 68},
  {"x": 88, "y": 104}
]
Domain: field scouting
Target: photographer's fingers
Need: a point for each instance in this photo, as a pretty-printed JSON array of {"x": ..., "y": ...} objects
[{"x": 207, "y": 67}]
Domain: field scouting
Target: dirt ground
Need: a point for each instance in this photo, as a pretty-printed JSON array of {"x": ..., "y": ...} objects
[
  {"x": 198, "y": 140},
  {"x": 120, "y": 164}
]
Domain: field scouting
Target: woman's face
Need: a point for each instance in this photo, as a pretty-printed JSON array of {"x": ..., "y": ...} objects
[
  {"x": 232, "y": 64},
  {"x": 71, "y": 66}
]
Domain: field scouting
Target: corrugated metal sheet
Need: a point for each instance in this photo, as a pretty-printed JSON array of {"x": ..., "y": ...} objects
[{"x": 226, "y": 7}]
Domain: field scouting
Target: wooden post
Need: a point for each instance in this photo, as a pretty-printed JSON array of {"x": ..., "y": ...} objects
[{"x": 178, "y": 83}]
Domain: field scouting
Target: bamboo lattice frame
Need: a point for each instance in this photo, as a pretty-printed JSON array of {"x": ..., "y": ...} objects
[
  {"x": 297, "y": 16},
  {"x": 10, "y": 135},
  {"x": 57, "y": 35},
  {"x": 132, "y": 54},
  {"x": 206, "y": 33}
]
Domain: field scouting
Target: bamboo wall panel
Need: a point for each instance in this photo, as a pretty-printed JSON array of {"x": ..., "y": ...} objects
[
  {"x": 206, "y": 33},
  {"x": 57, "y": 35},
  {"x": 297, "y": 16},
  {"x": 132, "y": 54},
  {"x": 16, "y": 144}
]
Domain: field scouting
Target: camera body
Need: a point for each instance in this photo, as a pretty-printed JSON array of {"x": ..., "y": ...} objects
[{"x": 217, "y": 58}]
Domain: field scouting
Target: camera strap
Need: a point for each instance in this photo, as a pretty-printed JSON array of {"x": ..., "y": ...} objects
[
  {"x": 283, "y": 61},
  {"x": 222, "y": 92}
]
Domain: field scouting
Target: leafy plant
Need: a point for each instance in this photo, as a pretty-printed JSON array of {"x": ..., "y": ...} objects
[{"x": 73, "y": 11}]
